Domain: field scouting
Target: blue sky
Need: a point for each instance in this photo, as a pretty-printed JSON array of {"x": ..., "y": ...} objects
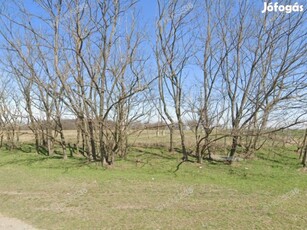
[{"x": 148, "y": 10}]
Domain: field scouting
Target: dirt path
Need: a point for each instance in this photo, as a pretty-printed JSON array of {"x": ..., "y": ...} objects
[{"x": 7, "y": 223}]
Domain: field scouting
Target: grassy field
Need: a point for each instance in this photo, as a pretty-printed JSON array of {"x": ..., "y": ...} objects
[
  {"x": 149, "y": 138},
  {"x": 142, "y": 137},
  {"x": 269, "y": 192}
]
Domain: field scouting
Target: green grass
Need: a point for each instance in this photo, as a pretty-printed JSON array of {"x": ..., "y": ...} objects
[{"x": 49, "y": 193}]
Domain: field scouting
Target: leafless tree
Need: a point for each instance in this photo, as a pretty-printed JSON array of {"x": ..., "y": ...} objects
[
  {"x": 173, "y": 51},
  {"x": 10, "y": 115},
  {"x": 208, "y": 105},
  {"x": 262, "y": 66}
]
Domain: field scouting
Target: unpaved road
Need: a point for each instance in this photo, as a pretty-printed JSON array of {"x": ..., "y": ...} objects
[{"x": 7, "y": 223}]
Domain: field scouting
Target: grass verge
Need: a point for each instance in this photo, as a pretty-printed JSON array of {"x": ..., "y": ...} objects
[{"x": 143, "y": 192}]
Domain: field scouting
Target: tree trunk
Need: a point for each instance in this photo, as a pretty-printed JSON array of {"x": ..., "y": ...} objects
[
  {"x": 92, "y": 139},
  {"x": 182, "y": 137},
  {"x": 171, "y": 141},
  {"x": 199, "y": 154},
  {"x": 233, "y": 148},
  {"x": 304, "y": 157},
  {"x": 303, "y": 146}
]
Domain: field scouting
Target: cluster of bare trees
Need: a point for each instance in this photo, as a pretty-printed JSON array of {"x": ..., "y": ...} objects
[
  {"x": 211, "y": 65},
  {"x": 76, "y": 58},
  {"x": 10, "y": 117},
  {"x": 250, "y": 71}
]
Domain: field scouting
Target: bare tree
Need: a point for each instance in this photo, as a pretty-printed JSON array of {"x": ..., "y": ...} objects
[
  {"x": 208, "y": 105},
  {"x": 173, "y": 51},
  {"x": 262, "y": 65},
  {"x": 10, "y": 116}
]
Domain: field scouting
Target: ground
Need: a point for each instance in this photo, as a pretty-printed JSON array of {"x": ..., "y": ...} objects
[
  {"x": 143, "y": 192},
  {"x": 7, "y": 223}
]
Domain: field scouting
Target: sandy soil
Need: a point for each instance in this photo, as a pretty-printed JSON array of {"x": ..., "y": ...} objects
[{"x": 7, "y": 223}]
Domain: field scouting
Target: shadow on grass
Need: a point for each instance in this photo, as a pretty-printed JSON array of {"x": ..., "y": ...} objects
[
  {"x": 285, "y": 156},
  {"x": 278, "y": 159},
  {"x": 150, "y": 151},
  {"x": 42, "y": 161},
  {"x": 31, "y": 147}
]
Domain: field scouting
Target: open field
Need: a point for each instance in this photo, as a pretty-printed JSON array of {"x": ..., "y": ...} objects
[
  {"x": 149, "y": 138},
  {"x": 142, "y": 137},
  {"x": 269, "y": 192}
]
